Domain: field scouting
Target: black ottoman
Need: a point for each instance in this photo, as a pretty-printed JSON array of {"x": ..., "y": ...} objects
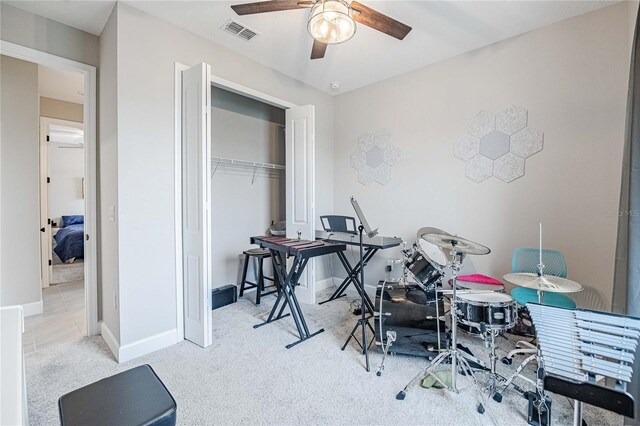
[{"x": 133, "y": 397}]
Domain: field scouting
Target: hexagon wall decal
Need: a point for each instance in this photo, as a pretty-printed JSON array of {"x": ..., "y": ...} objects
[
  {"x": 497, "y": 145},
  {"x": 375, "y": 157}
]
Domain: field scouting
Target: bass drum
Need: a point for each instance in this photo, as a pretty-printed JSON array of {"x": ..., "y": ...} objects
[{"x": 405, "y": 309}]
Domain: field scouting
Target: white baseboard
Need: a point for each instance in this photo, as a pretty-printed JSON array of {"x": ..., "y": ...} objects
[
  {"x": 110, "y": 339},
  {"x": 147, "y": 345},
  {"x": 371, "y": 288},
  {"x": 323, "y": 284},
  {"x": 34, "y": 308},
  {"x": 138, "y": 348}
]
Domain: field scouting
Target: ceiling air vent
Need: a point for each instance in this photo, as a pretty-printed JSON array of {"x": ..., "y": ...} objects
[{"x": 239, "y": 30}]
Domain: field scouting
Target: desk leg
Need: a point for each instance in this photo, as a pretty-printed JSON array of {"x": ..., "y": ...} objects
[
  {"x": 280, "y": 278},
  {"x": 352, "y": 276},
  {"x": 355, "y": 279},
  {"x": 287, "y": 295}
]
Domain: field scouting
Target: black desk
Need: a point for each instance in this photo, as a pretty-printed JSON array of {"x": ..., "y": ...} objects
[{"x": 371, "y": 247}]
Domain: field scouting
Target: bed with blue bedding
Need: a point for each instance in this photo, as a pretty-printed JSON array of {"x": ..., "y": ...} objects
[{"x": 70, "y": 239}]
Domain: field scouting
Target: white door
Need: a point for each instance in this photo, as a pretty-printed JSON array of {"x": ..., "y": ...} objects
[
  {"x": 300, "y": 149},
  {"x": 46, "y": 245},
  {"x": 196, "y": 217}
]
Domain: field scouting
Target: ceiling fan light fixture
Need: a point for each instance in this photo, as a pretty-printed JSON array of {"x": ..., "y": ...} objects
[{"x": 330, "y": 22}]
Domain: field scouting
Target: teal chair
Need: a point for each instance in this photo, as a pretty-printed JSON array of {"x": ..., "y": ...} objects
[{"x": 526, "y": 260}]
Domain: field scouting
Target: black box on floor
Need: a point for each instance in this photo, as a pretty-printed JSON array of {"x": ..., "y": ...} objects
[{"x": 224, "y": 296}]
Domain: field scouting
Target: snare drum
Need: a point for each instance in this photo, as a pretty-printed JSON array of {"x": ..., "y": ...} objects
[
  {"x": 497, "y": 310},
  {"x": 422, "y": 268}
]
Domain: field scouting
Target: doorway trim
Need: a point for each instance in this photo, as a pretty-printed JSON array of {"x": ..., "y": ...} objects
[
  {"x": 90, "y": 211},
  {"x": 44, "y": 174},
  {"x": 232, "y": 87}
]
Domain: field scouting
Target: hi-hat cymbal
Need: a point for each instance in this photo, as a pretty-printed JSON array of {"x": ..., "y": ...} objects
[
  {"x": 543, "y": 283},
  {"x": 429, "y": 230},
  {"x": 456, "y": 243}
]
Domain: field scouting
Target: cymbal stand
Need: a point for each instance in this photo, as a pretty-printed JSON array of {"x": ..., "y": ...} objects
[
  {"x": 455, "y": 355},
  {"x": 534, "y": 350}
]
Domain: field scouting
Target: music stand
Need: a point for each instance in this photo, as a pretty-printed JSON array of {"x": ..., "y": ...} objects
[
  {"x": 335, "y": 223},
  {"x": 363, "y": 321}
]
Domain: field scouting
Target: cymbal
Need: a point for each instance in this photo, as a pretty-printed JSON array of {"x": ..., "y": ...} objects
[
  {"x": 544, "y": 283},
  {"x": 456, "y": 243},
  {"x": 430, "y": 230}
]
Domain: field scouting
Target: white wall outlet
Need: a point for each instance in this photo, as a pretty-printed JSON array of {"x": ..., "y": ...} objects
[{"x": 112, "y": 213}]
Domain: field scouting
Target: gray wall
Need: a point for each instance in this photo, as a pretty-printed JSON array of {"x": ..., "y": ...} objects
[
  {"x": 146, "y": 115},
  {"x": 36, "y": 32},
  {"x": 63, "y": 110},
  {"x": 572, "y": 79},
  {"x": 19, "y": 190},
  {"x": 108, "y": 175}
]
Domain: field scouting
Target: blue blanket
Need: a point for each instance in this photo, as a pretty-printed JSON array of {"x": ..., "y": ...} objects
[{"x": 70, "y": 242}]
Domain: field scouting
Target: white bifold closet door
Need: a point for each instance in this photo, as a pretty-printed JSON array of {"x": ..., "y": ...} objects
[
  {"x": 196, "y": 211},
  {"x": 300, "y": 210}
]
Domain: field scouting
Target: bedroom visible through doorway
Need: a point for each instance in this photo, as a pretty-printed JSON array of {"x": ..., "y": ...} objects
[{"x": 62, "y": 210}]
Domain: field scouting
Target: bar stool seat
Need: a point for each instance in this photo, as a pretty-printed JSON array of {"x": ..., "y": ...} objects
[{"x": 260, "y": 255}]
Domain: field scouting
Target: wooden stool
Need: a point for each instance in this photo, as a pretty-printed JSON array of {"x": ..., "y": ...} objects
[{"x": 260, "y": 255}]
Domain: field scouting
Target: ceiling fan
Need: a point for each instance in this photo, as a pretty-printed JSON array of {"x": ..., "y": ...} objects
[{"x": 330, "y": 21}]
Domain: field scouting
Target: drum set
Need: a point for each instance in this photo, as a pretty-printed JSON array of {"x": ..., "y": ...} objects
[{"x": 411, "y": 318}]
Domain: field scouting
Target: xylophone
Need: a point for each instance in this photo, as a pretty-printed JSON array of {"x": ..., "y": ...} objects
[{"x": 302, "y": 250}]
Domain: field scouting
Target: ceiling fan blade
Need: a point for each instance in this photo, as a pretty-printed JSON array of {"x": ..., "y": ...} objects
[
  {"x": 269, "y": 6},
  {"x": 378, "y": 21},
  {"x": 318, "y": 49}
]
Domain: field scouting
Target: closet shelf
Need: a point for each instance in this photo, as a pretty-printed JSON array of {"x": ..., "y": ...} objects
[
  {"x": 244, "y": 163},
  {"x": 217, "y": 161}
]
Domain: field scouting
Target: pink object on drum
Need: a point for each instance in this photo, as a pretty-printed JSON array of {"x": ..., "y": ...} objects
[{"x": 480, "y": 279}]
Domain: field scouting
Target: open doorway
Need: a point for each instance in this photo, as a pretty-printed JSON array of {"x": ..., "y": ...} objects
[
  {"x": 62, "y": 208},
  {"x": 31, "y": 267}
]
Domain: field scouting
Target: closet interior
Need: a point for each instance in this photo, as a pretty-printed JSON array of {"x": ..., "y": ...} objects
[{"x": 247, "y": 182}]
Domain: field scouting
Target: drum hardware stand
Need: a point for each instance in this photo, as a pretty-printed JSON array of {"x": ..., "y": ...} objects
[
  {"x": 494, "y": 378},
  {"x": 534, "y": 350},
  {"x": 453, "y": 353},
  {"x": 391, "y": 337}
]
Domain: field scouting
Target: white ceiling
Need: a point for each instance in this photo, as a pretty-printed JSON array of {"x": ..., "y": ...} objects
[
  {"x": 441, "y": 30},
  {"x": 63, "y": 85},
  {"x": 86, "y": 15}
]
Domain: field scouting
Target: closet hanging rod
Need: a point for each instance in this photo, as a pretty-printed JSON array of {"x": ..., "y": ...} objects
[{"x": 244, "y": 163}]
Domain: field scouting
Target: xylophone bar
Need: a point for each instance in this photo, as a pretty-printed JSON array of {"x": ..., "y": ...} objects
[
  {"x": 574, "y": 348},
  {"x": 294, "y": 247}
]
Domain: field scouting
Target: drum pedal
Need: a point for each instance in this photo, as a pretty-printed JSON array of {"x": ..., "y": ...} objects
[{"x": 539, "y": 411}]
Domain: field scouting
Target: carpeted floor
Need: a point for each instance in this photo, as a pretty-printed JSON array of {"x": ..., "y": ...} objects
[{"x": 248, "y": 377}]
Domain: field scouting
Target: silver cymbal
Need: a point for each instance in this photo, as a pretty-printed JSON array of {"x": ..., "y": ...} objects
[
  {"x": 429, "y": 230},
  {"x": 544, "y": 283},
  {"x": 460, "y": 245}
]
